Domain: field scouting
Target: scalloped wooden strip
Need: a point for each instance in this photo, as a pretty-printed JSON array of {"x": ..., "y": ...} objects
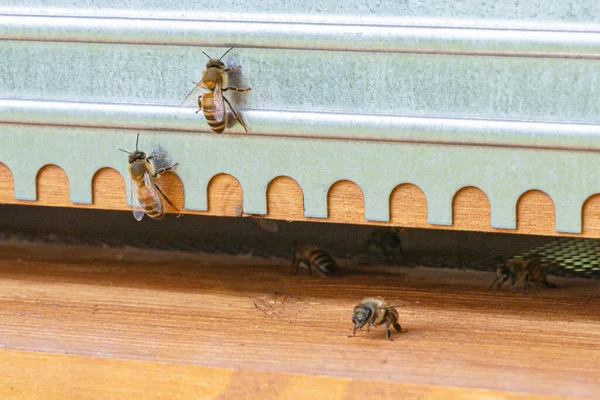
[{"x": 408, "y": 204}]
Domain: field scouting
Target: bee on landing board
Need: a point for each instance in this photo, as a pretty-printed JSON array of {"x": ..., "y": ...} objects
[
  {"x": 313, "y": 257},
  {"x": 523, "y": 272},
  {"x": 386, "y": 243},
  {"x": 374, "y": 311},
  {"x": 214, "y": 80},
  {"x": 145, "y": 193}
]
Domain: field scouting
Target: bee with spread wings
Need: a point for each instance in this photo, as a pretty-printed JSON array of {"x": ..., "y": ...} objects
[
  {"x": 214, "y": 79},
  {"x": 145, "y": 193}
]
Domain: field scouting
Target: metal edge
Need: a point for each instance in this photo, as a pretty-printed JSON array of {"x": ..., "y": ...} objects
[
  {"x": 316, "y": 125},
  {"x": 320, "y": 19},
  {"x": 303, "y": 36}
]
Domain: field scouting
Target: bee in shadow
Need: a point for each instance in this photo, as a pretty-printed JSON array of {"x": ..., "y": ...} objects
[
  {"x": 523, "y": 273},
  {"x": 313, "y": 257},
  {"x": 387, "y": 243}
]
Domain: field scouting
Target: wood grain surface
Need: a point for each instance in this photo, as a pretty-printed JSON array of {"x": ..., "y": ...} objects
[
  {"x": 124, "y": 323},
  {"x": 54, "y": 376},
  {"x": 408, "y": 205}
]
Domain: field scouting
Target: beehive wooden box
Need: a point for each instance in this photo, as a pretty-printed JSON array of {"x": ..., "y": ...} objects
[{"x": 448, "y": 115}]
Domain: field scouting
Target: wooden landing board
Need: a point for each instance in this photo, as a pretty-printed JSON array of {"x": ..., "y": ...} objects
[
  {"x": 32, "y": 375},
  {"x": 119, "y": 323},
  {"x": 408, "y": 205}
]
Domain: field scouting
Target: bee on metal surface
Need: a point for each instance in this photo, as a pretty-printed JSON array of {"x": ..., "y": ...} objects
[
  {"x": 214, "y": 79},
  {"x": 523, "y": 272},
  {"x": 386, "y": 242},
  {"x": 145, "y": 193},
  {"x": 313, "y": 257},
  {"x": 374, "y": 311}
]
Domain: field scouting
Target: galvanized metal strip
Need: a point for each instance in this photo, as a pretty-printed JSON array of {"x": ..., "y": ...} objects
[
  {"x": 376, "y": 167},
  {"x": 308, "y": 36},
  {"x": 372, "y": 128},
  {"x": 530, "y": 89},
  {"x": 567, "y": 15}
]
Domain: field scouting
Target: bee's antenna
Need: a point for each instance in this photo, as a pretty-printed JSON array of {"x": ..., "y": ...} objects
[
  {"x": 231, "y": 48},
  {"x": 125, "y": 151},
  {"x": 136, "y": 141},
  {"x": 207, "y": 55}
]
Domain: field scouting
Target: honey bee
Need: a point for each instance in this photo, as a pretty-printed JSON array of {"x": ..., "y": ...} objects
[
  {"x": 387, "y": 243},
  {"x": 522, "y": 273},
  {"x": 145, "y": 193},
  {"x": 374, "y": 311},
  {"x": 214, "y": 79},
  {"x": 313, "y": 257}
]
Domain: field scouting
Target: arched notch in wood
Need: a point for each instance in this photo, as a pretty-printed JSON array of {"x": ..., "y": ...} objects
[{"x": 345, "y": 201}]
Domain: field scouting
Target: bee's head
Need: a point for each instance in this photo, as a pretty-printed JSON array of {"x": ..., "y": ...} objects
[
  {"x": 360, "y": 316},
  {"x": 136, "y": 155},
  {"x": 216, "y": 62}
]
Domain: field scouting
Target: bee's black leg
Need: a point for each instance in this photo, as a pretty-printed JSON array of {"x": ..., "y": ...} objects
[
  {"x": 165, "y": 169},
  {"x": 234, "y": 89},
  {"x": 235, "y": 115},
  {"x": 388, "y": 331},
  {"x": 296, "y": 265},
  {"x": 492, "y": 285},
  {"x": 199, "y": 104},
  {"x": 372, "y": 319},
  {"x": 294, "y": 270},
  {"x": 386, "y": 254},
  {"x": 233, "y": 68},
  {"x": 167, "y": 200},
  {"x": 525, "y": 283},
  {"x": 400, "y": 249},
  {"x": 503, "y": 279},
  {"x": 157, "y": 155}
]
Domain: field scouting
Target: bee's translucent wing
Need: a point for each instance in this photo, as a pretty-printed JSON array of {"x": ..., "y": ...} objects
[
  {"x": 150, "y": 187},
  {"x": 138, "y": 210},
  {"x": 191, "y": 100},
  {"x": 218, "y": 103},
  {"x": 395, "y": 303},
  {"x": 267, "y": 224}
]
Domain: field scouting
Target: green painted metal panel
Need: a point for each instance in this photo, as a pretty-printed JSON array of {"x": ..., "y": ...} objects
[{"x": 439, "y": 171}]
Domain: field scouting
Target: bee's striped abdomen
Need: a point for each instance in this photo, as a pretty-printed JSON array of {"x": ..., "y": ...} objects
[
  {"x": 209, "y": 114},
  {"x": 323, "y": 262},
  {"x": 151, "y": 208}
]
